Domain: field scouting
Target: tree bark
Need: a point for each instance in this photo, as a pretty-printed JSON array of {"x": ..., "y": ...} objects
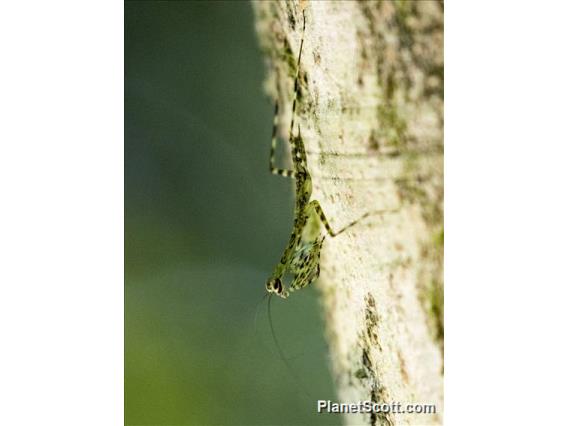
[{"x": 370, "y": 109}]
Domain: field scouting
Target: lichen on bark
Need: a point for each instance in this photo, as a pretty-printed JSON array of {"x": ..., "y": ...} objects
[{"x": 370, "y": 107}]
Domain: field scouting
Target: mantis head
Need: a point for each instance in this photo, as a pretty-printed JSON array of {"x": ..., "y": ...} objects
[{"x": 274, "y": 285}]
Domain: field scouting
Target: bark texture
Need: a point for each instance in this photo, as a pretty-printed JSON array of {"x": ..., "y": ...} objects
[{"x": 371, "y": 113}]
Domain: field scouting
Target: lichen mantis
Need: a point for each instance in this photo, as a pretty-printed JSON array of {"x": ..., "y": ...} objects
[{"x": 301, "y": 257}]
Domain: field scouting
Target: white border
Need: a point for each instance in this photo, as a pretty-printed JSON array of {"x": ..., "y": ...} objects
[
  {"x": 61, "y": 224},
  {"x": 506, "y": 212}
]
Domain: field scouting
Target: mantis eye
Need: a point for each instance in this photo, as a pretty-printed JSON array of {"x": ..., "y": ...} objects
[
  {"x": 278, "y": 285},
  {"x": 274, "y": 286}
]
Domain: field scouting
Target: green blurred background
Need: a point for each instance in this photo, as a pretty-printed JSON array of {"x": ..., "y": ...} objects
[{"x": 204, "y": 225}]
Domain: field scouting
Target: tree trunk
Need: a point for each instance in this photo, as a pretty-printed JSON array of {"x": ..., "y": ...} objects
[{"x": 370, "y": 109}]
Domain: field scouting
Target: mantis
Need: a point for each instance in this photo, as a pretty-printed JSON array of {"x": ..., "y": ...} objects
[{"x": 301, "y": 257}]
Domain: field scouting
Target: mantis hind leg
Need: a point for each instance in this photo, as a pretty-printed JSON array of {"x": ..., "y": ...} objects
[
  {"x": 273, "y": 169},
  {"x": 316, "y": 207}
]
